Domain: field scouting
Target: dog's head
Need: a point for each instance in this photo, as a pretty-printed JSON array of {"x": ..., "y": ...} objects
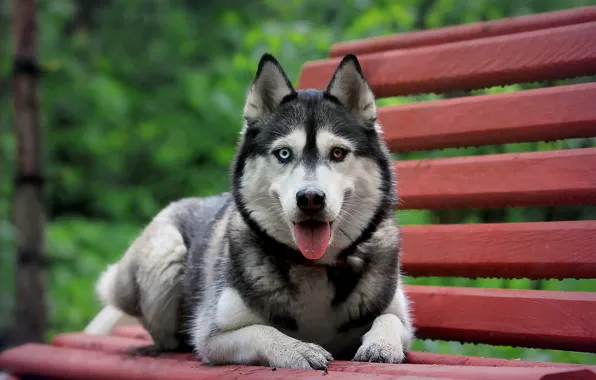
[{"x": 312, "y": 170}]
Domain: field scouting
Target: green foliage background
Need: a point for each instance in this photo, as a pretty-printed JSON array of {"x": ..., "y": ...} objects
[{"x": 141, "y": 105}]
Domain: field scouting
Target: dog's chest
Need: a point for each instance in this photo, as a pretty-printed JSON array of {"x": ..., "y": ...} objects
[
  {"x": 312, "y": 306},
  {"x": 302, "y": 308}
]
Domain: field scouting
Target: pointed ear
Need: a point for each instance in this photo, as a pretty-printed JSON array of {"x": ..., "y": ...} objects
[
  {"x": 350, "y": 87},
  {"x": 270, "y": 86}
]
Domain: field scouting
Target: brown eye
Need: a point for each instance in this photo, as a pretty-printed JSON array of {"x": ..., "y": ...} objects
[{"x": 338, "y": 154}]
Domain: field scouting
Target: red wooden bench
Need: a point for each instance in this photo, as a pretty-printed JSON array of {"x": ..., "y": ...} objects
[{"x": 540, "y": 47}]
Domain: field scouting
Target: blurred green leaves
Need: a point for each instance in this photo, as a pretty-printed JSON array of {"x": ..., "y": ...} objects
[{"x": 79, "y": 250}]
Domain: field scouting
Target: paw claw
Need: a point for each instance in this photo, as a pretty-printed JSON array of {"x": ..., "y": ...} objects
[{"x": 301, "y": 355}]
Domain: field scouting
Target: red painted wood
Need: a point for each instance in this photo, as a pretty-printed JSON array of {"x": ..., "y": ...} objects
[
  {"x": 118, "y": 345},
  {"x": 545, "y": 54},
  {"x": 106, "y": 343},
  {"x": 110, "y": 344},
  {"x": 527, "y": 318},
  {"x": 522, "y": 179},
  {"x": 463, "y": 372},
  {"x": 476, "y": 361},
  {"x": 131, "y": 331},
  {"x": 465, "y": 32},
  {"x": 504, "y": 250},
  {"x": 35, "y": 359},
  {"x": 534, "y": 115}
]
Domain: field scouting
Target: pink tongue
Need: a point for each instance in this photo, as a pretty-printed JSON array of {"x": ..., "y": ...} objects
[{"x": 312, "y": 239}]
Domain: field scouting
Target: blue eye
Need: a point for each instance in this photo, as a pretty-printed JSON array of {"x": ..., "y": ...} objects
[{"x": 283, "y": 155}]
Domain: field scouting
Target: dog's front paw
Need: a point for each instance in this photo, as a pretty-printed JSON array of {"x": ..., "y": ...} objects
[
  {"x": 300, "y": 355},
  {"x": 385, "y": 341},
  {"x": 380, "y": 351}
]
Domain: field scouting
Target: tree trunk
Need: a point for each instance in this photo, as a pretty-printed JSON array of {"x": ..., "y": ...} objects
[{"x": 30, "y": 318}]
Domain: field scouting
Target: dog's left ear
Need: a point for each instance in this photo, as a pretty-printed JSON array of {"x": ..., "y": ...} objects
[
  {"x": 270, "y": 86},
  {"x": 350, "y": 87}
]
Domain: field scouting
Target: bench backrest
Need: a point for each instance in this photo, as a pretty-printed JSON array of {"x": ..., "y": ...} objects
[{"x": 548, "y": 46}]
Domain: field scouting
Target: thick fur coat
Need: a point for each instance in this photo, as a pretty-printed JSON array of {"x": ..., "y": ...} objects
[{"x": 299, "y": 263}]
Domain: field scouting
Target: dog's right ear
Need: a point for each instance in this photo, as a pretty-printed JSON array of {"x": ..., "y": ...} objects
[{"x": 269, "y": 88}]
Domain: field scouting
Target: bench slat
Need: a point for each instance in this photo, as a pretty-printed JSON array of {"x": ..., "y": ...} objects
[
  {"x": 527, "y": 318},
  {"x": 71, "y": 363},
  {"x": 565, "y": 177},
  {"x": 119, "y": 345},
  {"x": 533, "y": 115},
  {"x": 465, "y": 32},
  {"x": 505, "y": 250},
  {"x": 555, "y": 53},
  {"x": 68, "y": 363},
  {"x": 134, "y": 331},
  {"x": 416, "y": 357}
]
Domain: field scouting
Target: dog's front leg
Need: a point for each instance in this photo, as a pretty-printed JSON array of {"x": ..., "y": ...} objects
[
  {"x": 232, "y": 333},
  {"x": 263, "y": 345},
  {"x": 390, "y": 335}
]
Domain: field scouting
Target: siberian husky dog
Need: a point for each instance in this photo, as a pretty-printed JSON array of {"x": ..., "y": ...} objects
[{"x": 299, "y": 263}]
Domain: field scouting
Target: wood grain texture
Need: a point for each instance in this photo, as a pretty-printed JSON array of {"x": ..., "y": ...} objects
[
  {"x": 54, "y": 362},
  {"x": 416, "y": 357},
  {"x": 111, "y": 344},
  {"x": 527, "y": 318},
  {"x": 465, "y": 32},
  {"x": 504, "y": 250},
  {"x": 563, "y": 177},
  {"x": 533, "y": 115},
  {"x": 68, "y": 363},
  {"x": 119, "y": 345},
  {"x": 555, "y": 53}
]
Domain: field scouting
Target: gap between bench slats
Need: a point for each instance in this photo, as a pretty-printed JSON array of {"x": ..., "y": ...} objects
[
  {"x": 122, "y": 345},
  {"x": 465, "y": 32},
  {"x": 54, "y": 362},
  {"x": 508, "y": 250},
  {"x": 532, "y": 115},
  {"x": 555, "y": 53},
  {"x": 528, "y": 318},
  {"x": 566, "y": 177}
]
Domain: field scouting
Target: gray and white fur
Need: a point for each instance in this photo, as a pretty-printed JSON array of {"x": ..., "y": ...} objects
[{"x": 225, "y": 274}]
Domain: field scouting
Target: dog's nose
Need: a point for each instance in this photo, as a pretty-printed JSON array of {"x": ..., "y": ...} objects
[{"x": 310, "y": 199}]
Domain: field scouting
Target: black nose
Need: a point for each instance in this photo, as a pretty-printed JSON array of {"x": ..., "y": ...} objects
[{"x": 310, "y": 199}]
